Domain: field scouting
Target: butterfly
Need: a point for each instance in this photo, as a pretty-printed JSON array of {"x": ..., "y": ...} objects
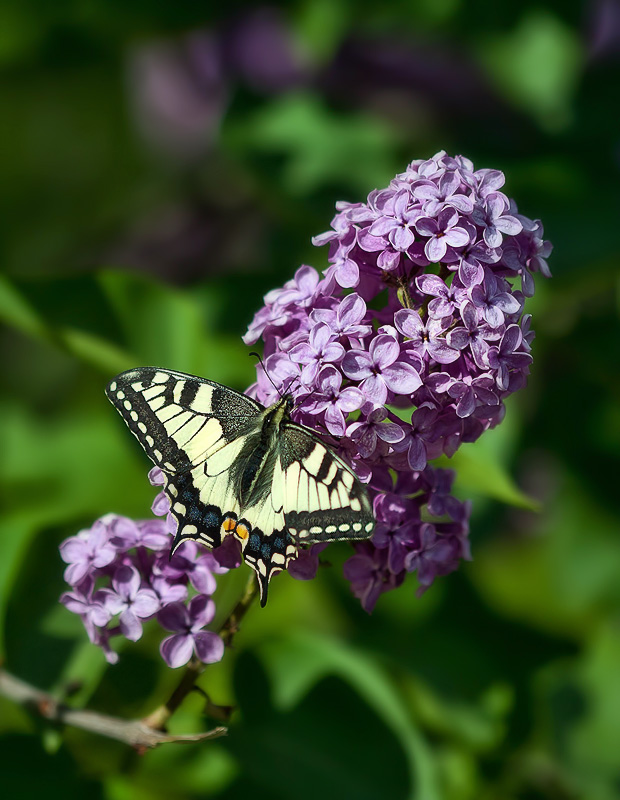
[{"x": 233, "y": 467}]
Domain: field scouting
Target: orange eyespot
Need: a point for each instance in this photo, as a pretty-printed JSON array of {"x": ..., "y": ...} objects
[
  {"x": 229, "y": 524},
  {"x": 242, "y": 531}
]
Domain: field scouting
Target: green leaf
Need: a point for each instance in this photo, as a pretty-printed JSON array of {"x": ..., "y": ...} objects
[
  {"x": 301, "y": 660},
  {"x": 176, "y": 329},
  {"x": 559, "y": 580},
  {"x": 538, "y": 66},
  {"x": 18, "y": 313},
  {"x": 59, "y": 474},
  {"x": 321, "y": 148},
  {"x": 96, "y": 351},
  {"x": 482, "y": 474}
]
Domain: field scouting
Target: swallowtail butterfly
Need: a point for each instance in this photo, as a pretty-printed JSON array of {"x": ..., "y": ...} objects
[{"x": 235, "y": 468}]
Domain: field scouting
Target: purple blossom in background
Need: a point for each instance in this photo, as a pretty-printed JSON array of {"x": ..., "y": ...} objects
[
  {"x": 121, "y": 576},
  {"x": 424, "y": 297}
]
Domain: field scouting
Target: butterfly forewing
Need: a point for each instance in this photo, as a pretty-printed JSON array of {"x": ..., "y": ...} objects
[
  {"x": 180, "y": 420},
  {"x": 234, "y": 468}
]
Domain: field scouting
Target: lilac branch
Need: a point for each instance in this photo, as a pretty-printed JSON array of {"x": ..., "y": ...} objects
[{"x": 136, "y": 733}]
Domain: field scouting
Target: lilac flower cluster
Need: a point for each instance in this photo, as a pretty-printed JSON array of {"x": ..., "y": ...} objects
[
  {"x": 120, "y": 576},
  {"x": 406, "y": 348}
]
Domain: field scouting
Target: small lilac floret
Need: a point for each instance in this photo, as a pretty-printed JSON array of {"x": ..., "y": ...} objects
[
  {"x": 87, "y": 551},
  {"x": 189, "y": 638},
  {"x": 380, "y": 370},
  {"x": 129, "y": 600},
  {"x": 442, "y": 233}
]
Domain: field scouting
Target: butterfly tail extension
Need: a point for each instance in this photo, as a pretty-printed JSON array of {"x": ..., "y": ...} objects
[{"x": 268, "y": 555}]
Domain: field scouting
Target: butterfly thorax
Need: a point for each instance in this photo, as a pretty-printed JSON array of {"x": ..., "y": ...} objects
[{"x": 253, "y": 471}]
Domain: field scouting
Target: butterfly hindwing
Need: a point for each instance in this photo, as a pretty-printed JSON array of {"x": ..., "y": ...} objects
[
  {"x": 207, "y": 512},
  {"x": 324, "y": 500},
  {"x": 234, "y": 468}
]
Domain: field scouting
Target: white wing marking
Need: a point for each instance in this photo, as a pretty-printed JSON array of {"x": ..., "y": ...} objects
[
  {"x": 323, "y": 496},
  {"x": 224, "y": 458}
]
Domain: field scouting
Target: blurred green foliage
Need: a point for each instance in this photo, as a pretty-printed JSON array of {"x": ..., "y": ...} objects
[{"x": 121, "y": 246}]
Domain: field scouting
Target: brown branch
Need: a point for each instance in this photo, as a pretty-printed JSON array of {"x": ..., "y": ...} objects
[{"x": 136, "y": 733}]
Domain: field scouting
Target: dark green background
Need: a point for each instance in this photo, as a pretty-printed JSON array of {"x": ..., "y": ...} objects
[{"x": 117, "y": 249}]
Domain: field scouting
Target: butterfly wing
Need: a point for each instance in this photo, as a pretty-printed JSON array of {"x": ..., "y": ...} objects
[
  {"x": 323, "y": 499},
  {"x": 180, "y": 420},
  {"x": 313, "y": 497}
]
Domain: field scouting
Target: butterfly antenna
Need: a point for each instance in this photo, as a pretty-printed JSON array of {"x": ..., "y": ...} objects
[{"x": 260, "y": 361}]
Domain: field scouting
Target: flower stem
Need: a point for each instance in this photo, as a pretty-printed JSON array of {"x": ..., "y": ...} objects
[{"x": 158, "y": 719}]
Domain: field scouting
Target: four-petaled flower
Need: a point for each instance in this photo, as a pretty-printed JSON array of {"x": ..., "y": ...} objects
[
  {"x": 380, "y": 370},
  {"x": 129, "y": 600},
  {"x": 443, "y": 232},
  {"x": 80, "y": 601},
  {"x": 473, "y": 334},
  {"x": 373, "y": 429},
  {"x": 494, "y": 301},
  {"x": 495, "y": 223},
  {"x": 441, "y": 194},
  {"x": 86, "y": 552},
  {"x": 505, "y": 357},
  {"x": 369, "y": 573},
  {"x": 426, "y": 339},
  {"x": 346, "y": 319},
  {"x": 435, "y": 556},
  {"x": 446, "y": 298},
  {"x": 397, "y": 225},
  {"x": 188, "y": 622},
  {"x": 321, "y": 348},
  {"x": 334, "y": 401}
]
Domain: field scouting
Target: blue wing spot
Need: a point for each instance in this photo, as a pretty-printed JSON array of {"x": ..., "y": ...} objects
[
  {"x": 193, "y": 515},
  {"x": 212, "y": 518},
  {"x": 265, "y": 550},
  {"x": 254, "y": 542},
  {"x": 278, "y": 544}
]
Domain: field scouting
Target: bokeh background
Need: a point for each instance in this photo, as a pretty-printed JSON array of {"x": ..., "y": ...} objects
[{"x": 162, "y": 166}]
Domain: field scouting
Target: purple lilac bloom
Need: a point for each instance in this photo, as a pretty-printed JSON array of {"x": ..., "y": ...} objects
[
  {"x": 408, "y": 346},
  {"x": 442, "y": 233},
  {"x": 405, "y": 348},
  {"x": 121, "y": 576}
]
